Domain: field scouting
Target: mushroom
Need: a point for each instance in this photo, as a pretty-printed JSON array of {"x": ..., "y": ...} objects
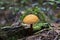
[{"x": 31, "y": 19}]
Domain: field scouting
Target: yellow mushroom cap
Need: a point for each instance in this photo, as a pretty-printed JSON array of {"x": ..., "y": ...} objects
[{"x": 30, "y": 19}]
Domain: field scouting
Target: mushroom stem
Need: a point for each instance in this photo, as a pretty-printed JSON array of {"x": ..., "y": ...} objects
[{"x": 31, "y": 29}]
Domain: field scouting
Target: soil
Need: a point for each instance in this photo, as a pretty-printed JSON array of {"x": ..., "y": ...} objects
[{"x": 52, "y": 34}]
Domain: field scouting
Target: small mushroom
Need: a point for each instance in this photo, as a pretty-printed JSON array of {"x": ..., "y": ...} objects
[{"x": 31, "y": 19}]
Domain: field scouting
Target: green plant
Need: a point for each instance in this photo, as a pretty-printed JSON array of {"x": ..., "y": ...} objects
[
  {"x": 37, "y": 11},
  {"x": 39, "y": 26}
]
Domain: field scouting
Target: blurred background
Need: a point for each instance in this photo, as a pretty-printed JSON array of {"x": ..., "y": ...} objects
[{"x": 12, "y": 13}]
